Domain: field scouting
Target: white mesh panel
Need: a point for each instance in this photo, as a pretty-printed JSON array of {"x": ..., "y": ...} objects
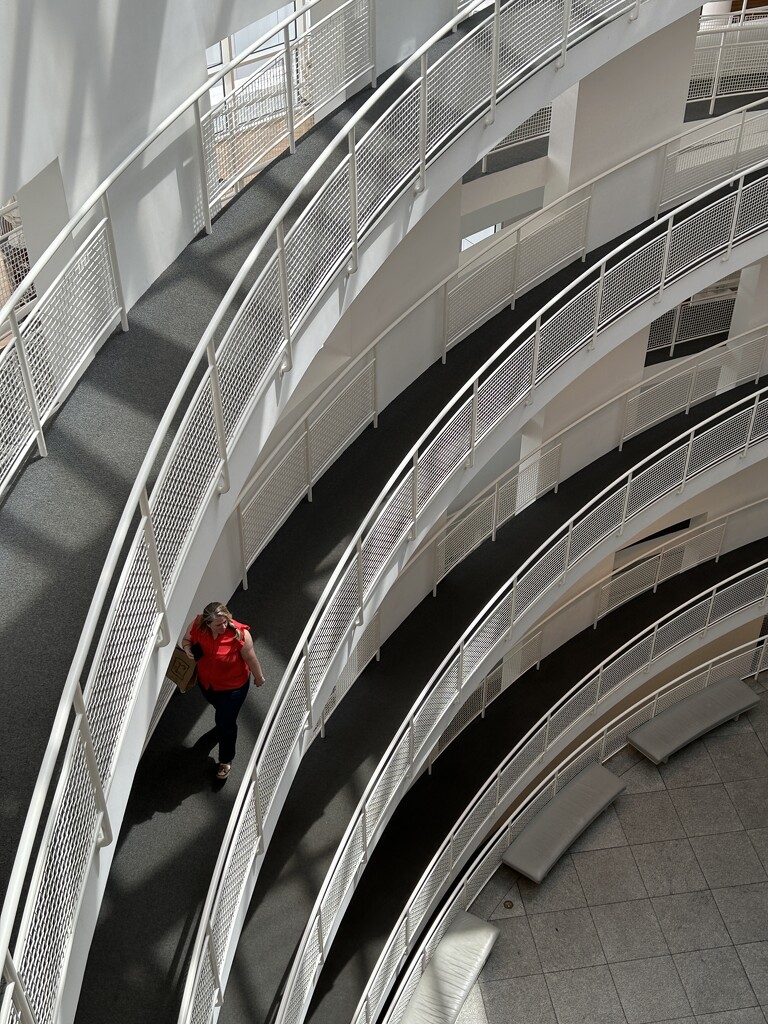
[
  {"x": 16, "y": 430},
  {"x": 387, "y": 158},
  {"x": 342, "y": 419},
  {"x": 277, "y": 495}
]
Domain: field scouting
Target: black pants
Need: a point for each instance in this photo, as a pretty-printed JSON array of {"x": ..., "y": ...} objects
[{"x": 227, "y": 704}]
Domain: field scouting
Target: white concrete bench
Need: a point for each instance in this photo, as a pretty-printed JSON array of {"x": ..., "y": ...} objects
[
  {"x": 544, "y": 840},
  {"x": 685, "y": 722},
  {"x": 452, "y": 971}
]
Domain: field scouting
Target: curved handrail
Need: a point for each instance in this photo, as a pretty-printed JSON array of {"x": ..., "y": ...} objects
[
  {"x": 453, "y": 667},
  {"x": 138, "y": 498},
  {"x": 660, "y": 231},
  {"x": 739, "y": 660}
]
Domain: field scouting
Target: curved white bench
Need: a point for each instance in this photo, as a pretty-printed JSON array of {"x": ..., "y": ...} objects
[
  {"x": 685, "y": 722},
  {"x": 542, "y": 842},
  {"x": 452, "y": 971}
]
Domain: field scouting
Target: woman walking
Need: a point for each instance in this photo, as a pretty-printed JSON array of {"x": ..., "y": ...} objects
[{"x": 225, "y": 656}]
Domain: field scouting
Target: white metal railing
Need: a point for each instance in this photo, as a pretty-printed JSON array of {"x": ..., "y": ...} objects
[
  {"x": 525, "y": 763},
  {"x": 697, "y": 545},
  {"x": 536, "y": 127},
  {"x": 48, "y": 353},
  {"x": 15, "y": 258},
  {"x": 707, "y": 444},
  {"x": 337, "y": 630},
  {"x": 639, "y": 407},
  {"x": 447, "y": 97},
  {"x": 691, "y": 321},
  {"x": 731, "y": 57}
]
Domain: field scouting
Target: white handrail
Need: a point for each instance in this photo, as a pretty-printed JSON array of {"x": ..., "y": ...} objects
[
  {"x": 283, "y": 690},
  {"x": 704, "y": 673},
  {"x": 298, "y": 968}
]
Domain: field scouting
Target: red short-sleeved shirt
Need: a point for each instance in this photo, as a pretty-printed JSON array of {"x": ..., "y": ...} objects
[{"x": 221, "y": 666}]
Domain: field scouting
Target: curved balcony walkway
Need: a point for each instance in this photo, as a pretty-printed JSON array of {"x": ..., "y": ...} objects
[{"x": 175, "y": 816}]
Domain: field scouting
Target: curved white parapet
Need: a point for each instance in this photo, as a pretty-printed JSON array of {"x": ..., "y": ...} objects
[
  {"x": 612, "y": 518},
  {"x": 604, "y": 307},
  {"x": 529, "y": 762}
]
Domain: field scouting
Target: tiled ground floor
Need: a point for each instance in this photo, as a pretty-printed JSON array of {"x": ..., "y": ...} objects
[{"x": 658, "y": 912}]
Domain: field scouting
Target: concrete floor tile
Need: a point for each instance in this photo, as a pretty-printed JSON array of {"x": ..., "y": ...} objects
[
  {"x": 644, "y": 777},
  {"x": 566, "y": 940},
  {"x": 754, "y": 958},
  {"x": 728, "y": 859},
  {"x": 714, "y": 980},
  {"x": 650, "y": 990},
  {"x": 744, "y": 908},
  {"x": 705, "y": 810},
  {"x": 750, "y": 798},
  {"x": 517, "y": 1001},
  {"x": 510, "y": 905},
  {"x": 648, "y": 817},
  {"x": 691, "y": 766},
  {"x": 609, "y": 876},
  {"x": 750, "y": 1015},
  {"x": 629, "y": 931},
  {"x": 759, "y": 839},
  {"x": 585, "y": 995},
  {"x": 514, "y": 953},
  {"x": 622, "y": 761},
  {"x": 560, "y": 890},
  {"x": 473, "y": 1010},
  {"x": 738, "y": 757},
  {"x": 669, "y": 867},
  {"x": 603, "y": 834},
  {"x": 493, "y": 892},
  {"x": 691, "y": 921}
]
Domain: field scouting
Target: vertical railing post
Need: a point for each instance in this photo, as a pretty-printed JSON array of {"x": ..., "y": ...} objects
[
  {"x": 665, "y": 261},
  {"x": 353, "y": 203},
  {"x": 718, "y": 66},
  {"x": 29, "y": 388},
  {"x": 598, "y": 303},
  {"x": 320, "y": 950},
  {"x": 534, "y": 359},
  {"x": 734, "y": 220},
  {"x": 259, "y": 813},
  {"x": 243, "y": 552},
  {"x": 652, "y": 654},
  {"x": 423, "y": 111},
  {"x": 634, "y": 13},
  {"x": 567, "y": 553},
  {"x": 214, "y": 964},
  {"x": 708, "y": 620},
  {"x": 284, "y": 298},
  {"x": 154, "y": 568},
  {"x": 218, "y": 416},
  {"x": 411, "y": 746},
  {"x": 495, "y": 511},
  {"x": 114, "y": 266},
  {"x": 560, "y": 63},
  {"x": 691, "y": 389},
  {"x": 460, "y": 668},
  {"x": 739, "y": 142},
  {"x": 289, "y": 84},
  {"x": 106, "y": 837},
  {"x": 446, "y": 322},
  {"x": 19, "y": 996},
  {"x": 675, "y": 329},
  {"x": 372, "y": 40},
  {"x": 360, "y": 582},
  {"x": 625, "y": 506},
  {"x": 205, "y": 197},
  {"x": 490, "y": 117},
  {"x": 743, "y": 453},
  {"x": 308, "y": 458},
  {"x": 308, "y": 686},
  {"x": 473, "y": 424},
  {"x": 515, "y": 265},
  {"x": 687, "y": 465}
]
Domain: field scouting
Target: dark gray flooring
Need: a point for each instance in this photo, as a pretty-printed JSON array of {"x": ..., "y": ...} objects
[{"x": 55, "y": 529}]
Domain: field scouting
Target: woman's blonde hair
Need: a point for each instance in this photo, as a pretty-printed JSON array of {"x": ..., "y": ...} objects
[{"x": 213, "y": 611}]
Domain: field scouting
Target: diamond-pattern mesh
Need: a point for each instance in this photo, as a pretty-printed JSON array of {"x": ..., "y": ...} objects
[
  {"x": 717, "y": 442},
  {"x": 753, "y": 208},
  {"x": 473, "y": 822},
  {"x": 342, "y": 419},
  {"x": 656, "y": 402},
  {"x": 700, "y": 235},
  {"x": 524, "y": 759},
  {"x": 479, "y": 295},
  {"x": 244, "y": 844},
  {"x": 627, "y": 664},
  {"x": 391, "y": 525},
  {"x": 205, "y": 994},
  {"x": 504, "y": 388},
  {"x": 288, "y": 725},
  {"x": 578, "y": 764},
  {"x": 251, "y": 345},
  {"x": 319, "y": 243},
  {"x": 387, "y": 158},
  {"x": 65, "y": 860},
  {"x": 186, "y": 477},
  {"x": 420, "y": 902},
  {"x": 385, "y": 973},
  {"x": 582, "y": 702},
  {"x": 656, "y": 480},
  {"x": 458, "y": 85},
  {"x": 434, "y": 707},
  {"x": 551, "y": 244},
  {"x": 128, "y": 638},
  {"x": 631, "y": 279},
  {"x": 16, "y": 430},
  {"x": 675, "y": 631},
  {"x": 465, "y": 535},
  {"x": 541, "y": 575},
  {"x": 529, "y": 32},
  {"x": 467, "y": 713},
  {"x": 393, "y": 774},
  {"x": 487, "y": 636},
  {"x": 338, "y": 883},
  {"x": 65, "y": 325},
  {"x": 333, "y": 625},
  {"x": 661, "y": 334},
  {"x": 566, "y": 331},
  {"x": 302, "y": 985},
  {"x": 738, "y": 595},
  {"x": 442, "y": 455},
  {"x": 702, "y": 319},
  {"x": 599, "y": 523},
  {"x": 277, "y": 495}
]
